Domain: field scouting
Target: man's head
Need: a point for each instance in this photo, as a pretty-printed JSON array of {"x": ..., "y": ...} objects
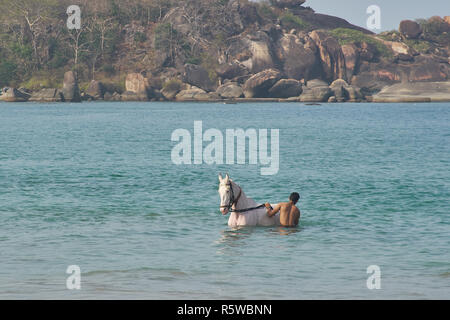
[{"x": 294, "y": 197}]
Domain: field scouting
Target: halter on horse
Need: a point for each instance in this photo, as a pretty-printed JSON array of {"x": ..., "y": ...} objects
[{"x": 234, "y": 201}]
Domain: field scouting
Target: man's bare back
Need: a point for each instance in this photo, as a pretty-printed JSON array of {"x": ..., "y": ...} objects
[{"x": 289, "y": 213}]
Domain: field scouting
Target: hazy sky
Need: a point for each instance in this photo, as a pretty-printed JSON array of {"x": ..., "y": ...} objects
[{"x": 392, "y": 11}]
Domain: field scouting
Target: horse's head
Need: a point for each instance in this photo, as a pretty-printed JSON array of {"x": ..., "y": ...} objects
[{"x": 225, "y": 193}]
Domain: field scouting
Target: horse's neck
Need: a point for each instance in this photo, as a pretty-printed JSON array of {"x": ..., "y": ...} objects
[{"x": 244, "y": 201}]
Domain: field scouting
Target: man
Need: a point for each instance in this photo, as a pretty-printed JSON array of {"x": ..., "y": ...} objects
[{"x": 289, "y": 213}]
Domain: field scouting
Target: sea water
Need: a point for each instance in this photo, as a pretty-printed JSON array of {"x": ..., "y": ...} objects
[{"x": 93, "y": 185}]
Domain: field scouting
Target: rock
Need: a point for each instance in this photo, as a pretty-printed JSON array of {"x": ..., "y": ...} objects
[
  {"x": 133, "y": 96},
  {"x": 253, "y": 50},
  {"x": 316, "y": 91},
  {"x": 47, "y": 95},
  {"x": 230, "y": 90},
  {"x": 316, "y": 83},
  {"x": 447, "y": 19},
  {"x": 345, "y": 92},
  {"x": 299, "y": 60},
  {"x": 331, "y": 55},
  {"x": 193, "y": 93},
  {"x": 136, "y": 83},
  {"x": 259, "y": 84},
  {"x": 170, "y": 93},
  {"x": 71, "y": 91},
  {"x": 108, "y": 96},
  {"x": 231, "y": 70},
  {"x": 332, "y": 99},
  {"x": 410, "y": 29},
  {"x": 14, "y": 95},
  {"x": 367, "y": 51},
  {"x": 288, "y": 3},
  {"x": 199, "y": 77},
  {"x": 411, "y": 92},
  {"x": 351, "y": 55},
  {"x": 286, "y": 88},
  {"x": 96, "y": 90}
]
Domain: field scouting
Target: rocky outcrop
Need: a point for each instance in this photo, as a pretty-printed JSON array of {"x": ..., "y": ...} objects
[
  {"x": 70, "y": 90},
  {"x": 196, "y": 94},
  {"x": 136, "y": 83},
  {"x": 286, "y": 88},
  {"x": 47, "y": 95},
  {"x": 351, "y": 55},
  {"x": 331, "y": 55},
  {"x": 253, "y": 50},
  {"x": 410, "y": 29},
  {"x": 96, "y": 90},
  {"x": 14, "y": 95},
  {"x": 316, "y": 91},
  {"x": 414, "y": 92},
  {"x": 232, "y": 70},
  {"x": 298, "y": 57},
  {"x": 259, "y": 84},
  {"x": 344, "y": 92},
  {"x": 230, "y": 90},
  {"x": 199, "y": 77}
]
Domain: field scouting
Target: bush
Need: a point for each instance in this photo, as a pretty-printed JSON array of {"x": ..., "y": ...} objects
[
  {"x": 172, "y": 85},
  {"x": 346, "y": 36},
  {"x": 7, "y": 73},
  {"x": 291, "y": 21}
]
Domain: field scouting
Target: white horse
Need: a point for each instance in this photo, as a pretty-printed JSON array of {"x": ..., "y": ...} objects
[{"x": 244, "y": 211}]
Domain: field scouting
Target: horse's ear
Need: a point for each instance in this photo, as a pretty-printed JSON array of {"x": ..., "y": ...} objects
[
  {"x": 227, "y": 178},
  {"x": 220, "y": 177}
]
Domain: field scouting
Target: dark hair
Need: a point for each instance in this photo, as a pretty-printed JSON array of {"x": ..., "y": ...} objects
[{"x": 294, "y": 197}]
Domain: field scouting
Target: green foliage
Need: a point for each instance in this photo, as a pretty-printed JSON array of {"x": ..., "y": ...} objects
[
  {"x": 291, "y": 21},
  {"x": 7, "y": 73},
  {"x": 172, "y": 85},
  {"x": 140, "y": 37},
  {"x": 346, "y": 36},
  {"x": 266, "y": 11},
  {"x": 419, "y": 45}
]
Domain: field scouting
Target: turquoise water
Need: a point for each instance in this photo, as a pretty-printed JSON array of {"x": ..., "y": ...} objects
[{"x": 93, "y": 185}]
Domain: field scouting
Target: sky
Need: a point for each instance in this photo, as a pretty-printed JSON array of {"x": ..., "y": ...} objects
[{"x": 392, "y": 11}]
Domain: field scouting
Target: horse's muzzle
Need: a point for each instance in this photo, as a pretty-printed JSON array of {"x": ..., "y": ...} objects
[{"x": 224, "y": 211}]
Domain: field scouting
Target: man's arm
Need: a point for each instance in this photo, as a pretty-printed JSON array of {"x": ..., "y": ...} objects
[{"x": 274, "y": 211}]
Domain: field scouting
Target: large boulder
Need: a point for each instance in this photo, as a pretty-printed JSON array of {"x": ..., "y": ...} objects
[
  {"x": 96, "y": 90},
  {"x": 299, "y": 59},
  {"x": 47, "y": 95},
  {"x": 231, "y": 70},
  {"x": 253, "y": 50},
  {"x": 14, "y": 95},
  {"x": 345, "y": 92},
  {"x": 286, "y": 88},
  {"x": 331, "y": 55},
  {"x": 194, "y": 94},
  {"x": 351, "y": 55},
  {"x": 230, "y": 90},
  {"x": 137, "y": 83},
  {"x": 410, "y": 29},
  {"x": 316, "y": 91},
  {"x": 410, "y": 92},
  {"x": 199, "y": 77},
  {"x": 447, "y": 19},
  {"x": 259, "y": 84},
  {"x": 71, "y": 91}
]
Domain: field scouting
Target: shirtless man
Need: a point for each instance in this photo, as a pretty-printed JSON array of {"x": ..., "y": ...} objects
[{"x": 289, "y": 213}]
